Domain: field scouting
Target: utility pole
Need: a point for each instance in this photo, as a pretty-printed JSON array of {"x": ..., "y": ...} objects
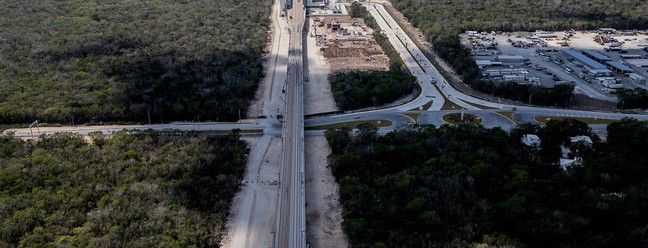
[
  {"x": 530, "y": 98},
  {"x": 462, "y": 114}
]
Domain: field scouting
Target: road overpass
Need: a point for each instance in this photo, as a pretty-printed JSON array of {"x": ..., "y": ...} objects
[
  {"x": 290, "y": 222},
  {"x": 290, "y": 229}
]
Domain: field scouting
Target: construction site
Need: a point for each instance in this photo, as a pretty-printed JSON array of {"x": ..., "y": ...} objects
[{"x": 347, "y": 43}]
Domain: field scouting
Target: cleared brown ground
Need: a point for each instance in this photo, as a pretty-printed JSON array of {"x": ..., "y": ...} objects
[{"x": 349, "y": 47}]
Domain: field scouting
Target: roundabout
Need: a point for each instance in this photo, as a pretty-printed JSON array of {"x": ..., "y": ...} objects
[{"x": 462, "y": 118}]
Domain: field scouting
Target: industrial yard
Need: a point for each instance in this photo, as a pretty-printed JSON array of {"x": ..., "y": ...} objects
[{"x": 598, "y": 62}]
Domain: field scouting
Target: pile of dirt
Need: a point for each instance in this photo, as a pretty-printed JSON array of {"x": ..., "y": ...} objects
[{"x": 357, "y": 49}]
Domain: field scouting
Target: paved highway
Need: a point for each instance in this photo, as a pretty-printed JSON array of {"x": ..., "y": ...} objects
[
  {"x": 414, "y": 59},
  {"x": 291, "y": 218}
]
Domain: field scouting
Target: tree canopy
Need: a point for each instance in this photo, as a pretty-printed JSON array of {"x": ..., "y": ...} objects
[
  {"x": 135, "y": 189},
  {"x": 459, "y": 186},
  {"x": 355, "y": 90},
  {"x": 127, "y": 60}
]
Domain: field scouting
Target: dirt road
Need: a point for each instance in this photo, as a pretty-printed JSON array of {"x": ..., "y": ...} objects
[
  {"x": 317, "y": 91},
  {"x": 253, "y": 211},
  {"x": 324, "y": 211}
]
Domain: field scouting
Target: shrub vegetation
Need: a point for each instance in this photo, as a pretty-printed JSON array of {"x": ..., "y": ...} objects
[
  {"x": 136, "y": 189},
  {"x": 460, "y": 186},
  {"x": 127, "y": 60}
]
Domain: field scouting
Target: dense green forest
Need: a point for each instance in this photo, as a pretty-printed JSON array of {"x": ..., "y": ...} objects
[
  {"x": 359, "y": 89},
  {"x": 355, "y": 90},
  {"x": 449, "y": 17},
  {"x": 136, "y": 189},
  {"x": 441, "y": 21},
  {"x": 92, "y": 61},
  {"x": 459, "y": 186},
  {"x": 632, "y": 98}
]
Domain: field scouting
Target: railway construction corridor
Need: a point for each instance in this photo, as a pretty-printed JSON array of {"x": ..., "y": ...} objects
[{"x": 291, "y": 218}]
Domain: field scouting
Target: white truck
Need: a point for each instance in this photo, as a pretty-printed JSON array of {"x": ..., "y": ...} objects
[{"x": 637, "y": 78}]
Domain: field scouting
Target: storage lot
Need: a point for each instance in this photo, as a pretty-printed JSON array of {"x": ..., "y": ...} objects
[{"x": 544, "y": 59}]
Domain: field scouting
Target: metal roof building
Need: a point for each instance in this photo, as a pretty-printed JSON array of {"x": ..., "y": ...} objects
[
  {"x": 510, "y": 58},
  {"x": 639, "y": 62},
  {"x": 607, "y": 30},
  {"x": 590, "y": 63},
  {"x": 487, "y": 63},
  {"x": 600, "y": 72},
  {"x": 286, "y": 4},
  {"x": 597, "y": 56},
  {"x": 619, "y": 67}
]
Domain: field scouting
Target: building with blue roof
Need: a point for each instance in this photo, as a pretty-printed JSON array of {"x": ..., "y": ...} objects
[
  {"x": 595, "y": 55},
  {"x": 618, "y": 67},
  {"x": 584, "y": 59},
  {"x": 594, "y": 68}
]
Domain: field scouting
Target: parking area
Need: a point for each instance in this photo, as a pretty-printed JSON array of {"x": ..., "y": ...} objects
[{"x": 597, "y": 62}]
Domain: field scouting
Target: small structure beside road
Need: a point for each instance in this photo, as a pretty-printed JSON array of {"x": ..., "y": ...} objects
[
  {"x": 531, "y": 140},
  {"x": 581, "y": 138}
]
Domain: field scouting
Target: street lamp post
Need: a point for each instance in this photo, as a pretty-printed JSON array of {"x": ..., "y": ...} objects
[{"x": 30, "y": 128}]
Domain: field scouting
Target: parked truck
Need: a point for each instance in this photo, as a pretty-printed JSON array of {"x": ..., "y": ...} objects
[{"x": 637, "y": 78}]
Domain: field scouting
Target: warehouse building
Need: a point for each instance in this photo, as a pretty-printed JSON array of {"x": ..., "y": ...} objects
[
  {"x": 590, "y": 63},
  {"x": 513, "y": 78},
  {"x": 641, "y": 63},
  {"x": 619, "y": 67},
  {"x": 487, "y": 63},
  {"x": 510, "y": 58},
  {"x": 598, "y": 57},
  {"x": 607, "y": 30},
  {"x": 545, "y": 34},
  {"x": 631, "y": 56},
  {"x": 594, "y": 68}
]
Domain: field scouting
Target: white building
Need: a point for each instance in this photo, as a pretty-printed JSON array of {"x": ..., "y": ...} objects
[
  {"x": 510, "y": 58},
  {"x": 315, "y": 3},
  {"x": 637, "y": 78},
  {"x": 513, "y": 78},
  {"x": 531, "y": 140},
  {"x": 581, "y": 138},
  {"x": 567, "y": 164}
]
